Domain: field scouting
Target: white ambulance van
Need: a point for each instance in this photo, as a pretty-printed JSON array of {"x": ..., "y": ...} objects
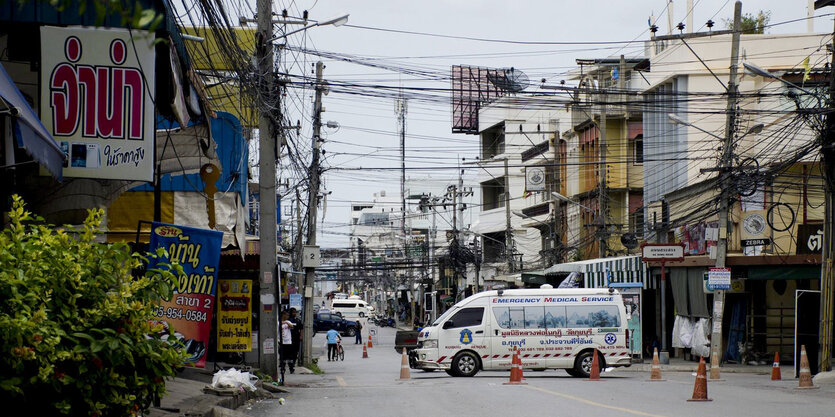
[{"x": 553, "y": 328}]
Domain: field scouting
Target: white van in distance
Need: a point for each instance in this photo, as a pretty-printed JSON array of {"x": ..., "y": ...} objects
[
  {"x": 351, "y": 308},
  {"x": 553, "y": 328}
]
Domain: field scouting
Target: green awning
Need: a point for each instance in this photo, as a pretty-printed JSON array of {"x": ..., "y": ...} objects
[{"x": 784, "y": 272}]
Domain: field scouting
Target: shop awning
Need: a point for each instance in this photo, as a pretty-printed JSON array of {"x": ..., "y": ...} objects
[
  {"x": 784, "y": 272},
  {"x": 30, "y": 133},
  {"x": 597, "y": 273}
]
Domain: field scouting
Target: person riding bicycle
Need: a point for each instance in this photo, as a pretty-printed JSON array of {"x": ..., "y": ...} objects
[{"x": 333, "y": 338}]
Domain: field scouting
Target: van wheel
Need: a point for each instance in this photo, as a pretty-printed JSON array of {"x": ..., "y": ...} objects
[
  {"x": 465, "y": 364},
  {"x": 582, "y": 365},
  {"x": 361, "y": 314}
]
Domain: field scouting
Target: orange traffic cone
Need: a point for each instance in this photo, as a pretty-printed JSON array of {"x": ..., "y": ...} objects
[
  {"x": 594, "y": 375},
  {"x": 700, "y": 388},
  {"x": 515, "y": 375},
  {"x": 775, "y": 368},
  {"x": 655, "y": 374},
  {"x": 714, "y": 367},
  {"x": 805, "y": 381},
  {"x": 404, "y": 366},
  {"x": 519, "y": 364},
  {"x": 365, "y": 351},
  {"x": 370, "y": 344}
]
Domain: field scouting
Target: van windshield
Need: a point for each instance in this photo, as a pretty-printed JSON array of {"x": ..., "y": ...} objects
[{"x": 444, "y": 316}]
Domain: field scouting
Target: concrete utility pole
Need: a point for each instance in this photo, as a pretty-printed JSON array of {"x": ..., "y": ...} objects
[
  {"x": 508, "y": 239},
  {"x": 267, "y": 323},
  {"x": 724, "y": 203},
  {"x": 602, "y": 203},
  {"x": 828, "y": 253},
  {"x": 401, "y": 109},
  {"x": 313, "y": 200}
]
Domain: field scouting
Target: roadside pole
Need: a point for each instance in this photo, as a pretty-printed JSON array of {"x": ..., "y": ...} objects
[
  {"x": 313, "y": 199},
  {"x": 724, "y": 203},
  {"x": 267, "y": 323}
]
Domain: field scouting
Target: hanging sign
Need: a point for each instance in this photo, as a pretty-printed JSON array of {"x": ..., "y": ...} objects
[
  {"x": 234, "y": 315},
  {"x": 189, "y": 311},
  {"x": 534, "y": 179},
  {"x": 96, "y": 99}
]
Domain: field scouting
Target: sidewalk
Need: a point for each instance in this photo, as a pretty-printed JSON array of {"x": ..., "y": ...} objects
[
  {"x": 185, "y": 397},
  {"x": 681, "y": 365}
]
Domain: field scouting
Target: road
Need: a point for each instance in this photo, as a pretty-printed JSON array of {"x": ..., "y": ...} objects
[{"x": 370, "y": 387}]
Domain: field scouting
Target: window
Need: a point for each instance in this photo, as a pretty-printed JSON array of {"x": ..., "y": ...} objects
[
  {"x": 520, "y": 317},
  {"x": 492, "y": 194},
  {"x": 554, "y": 317},
  {"x": 468, "y": 317},
  {"x": 492, "y": 141},
  {"x": 639, "y": 149},
  {"x": 592, "y": 316}
]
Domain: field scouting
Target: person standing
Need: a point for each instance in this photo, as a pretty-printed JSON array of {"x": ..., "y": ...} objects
[
  {"x": 285, "y": 350},
  {"x": 333, "y": 338},
  {"x": 296, "y": 333},
  {"x": 358, "y": 340}
]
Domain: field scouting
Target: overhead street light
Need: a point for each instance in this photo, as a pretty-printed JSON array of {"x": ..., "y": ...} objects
[
  {"x": 758, "y": 71},
  {"x": 336, "y": 21},
  {"x": 757, "y": 128},
  {"x": 561, "y": 197}
]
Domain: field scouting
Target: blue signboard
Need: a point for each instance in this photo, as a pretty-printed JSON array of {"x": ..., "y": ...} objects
[{"x": 189, "y": 311}]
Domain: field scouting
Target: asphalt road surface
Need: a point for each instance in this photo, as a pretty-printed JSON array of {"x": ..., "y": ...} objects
[{"x": 370, "y": 387}]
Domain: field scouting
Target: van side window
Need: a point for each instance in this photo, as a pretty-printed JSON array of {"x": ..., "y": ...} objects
[
  {"x": 592, "y": 316},
  {"x": 520, "y": 317},
  {"x": 554, "y": 317},
  {"x": 468, "y": 317}
]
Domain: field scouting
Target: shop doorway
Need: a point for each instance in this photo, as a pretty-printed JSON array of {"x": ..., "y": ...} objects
[{"x": 807, "y": 317}]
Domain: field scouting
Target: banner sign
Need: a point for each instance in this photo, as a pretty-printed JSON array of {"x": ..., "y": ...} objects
[
  {"x": 809, "y": 238},
  {"x": 632, "y": 301},
  {"x": 189, "y": 311},
  {"x": 534, "y": 178},
  {"x": 719, "y": 278},
  {"x": 96, "y": 99},
  {"x": 234, "y": 316}
]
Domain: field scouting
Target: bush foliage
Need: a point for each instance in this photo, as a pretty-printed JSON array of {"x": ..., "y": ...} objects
[{"x": 75, "y": 330}]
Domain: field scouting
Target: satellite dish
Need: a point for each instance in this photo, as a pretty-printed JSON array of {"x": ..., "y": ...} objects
[
  {"x": 629, "y": 240},
  {"x": 509, "y": 79}
]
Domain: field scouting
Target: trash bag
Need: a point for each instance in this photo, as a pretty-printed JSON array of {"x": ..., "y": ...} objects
[
  {"x": 233, "y": 378},
  {"x": 701, "y": 341}
]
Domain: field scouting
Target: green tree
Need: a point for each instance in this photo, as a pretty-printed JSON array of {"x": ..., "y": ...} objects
[
  {"x": 751, "y": 23},
  {"x": 75, "y": 330}
]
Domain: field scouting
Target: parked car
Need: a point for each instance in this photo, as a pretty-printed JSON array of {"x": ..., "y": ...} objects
[{"x": 323, "y": 322}]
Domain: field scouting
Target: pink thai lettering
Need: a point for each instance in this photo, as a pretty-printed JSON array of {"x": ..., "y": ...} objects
[
  {"x": 106, "y": 101},
  {"x": 110, "y": 105},
  {"x": 87, "y": 80},
  {"x": 64, "y": 100}
]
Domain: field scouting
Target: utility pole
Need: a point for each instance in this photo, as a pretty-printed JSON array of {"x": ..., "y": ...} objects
[
  {"x": 508, "y": 239},
  {"x": 603, "y": 205},
  {"x": 313, "y": 199},
  {"x": 724, "y": 203},
  {"x": 828, "y": 253},
  {"x": 267, "y": 323},
  {"x": 400, "y": 107}
]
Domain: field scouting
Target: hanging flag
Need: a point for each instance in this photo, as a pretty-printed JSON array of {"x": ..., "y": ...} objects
[
  {"x": 615, "y": 74},
  {"x": 806, "y": 69}
]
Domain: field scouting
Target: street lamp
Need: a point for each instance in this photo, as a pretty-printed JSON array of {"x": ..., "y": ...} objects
[
  {"x": 758, "y": 71},
  {"x": 336, "y": 21},
  {"x": 757, "y": 128}
]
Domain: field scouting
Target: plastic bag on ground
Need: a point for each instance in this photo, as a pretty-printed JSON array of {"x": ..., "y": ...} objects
[{"x": 233, "y": 378}]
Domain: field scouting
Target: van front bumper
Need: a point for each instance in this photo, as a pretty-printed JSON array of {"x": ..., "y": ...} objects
[{"x": 427, "y": 359}]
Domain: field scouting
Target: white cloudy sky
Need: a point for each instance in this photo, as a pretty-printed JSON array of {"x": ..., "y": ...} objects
[{"x": 368, "y": 133}]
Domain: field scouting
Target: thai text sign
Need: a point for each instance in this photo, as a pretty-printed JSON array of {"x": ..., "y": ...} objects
[
  {"x": 234, "y": 315},
  {"x": 719, "y": 278},
  {"x": 189, "y": 311},
  {"x": 96, "y": 99},
  {"x": 659, "y": 252}
]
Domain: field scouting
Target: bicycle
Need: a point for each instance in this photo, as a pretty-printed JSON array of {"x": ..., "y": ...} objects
[{"x": 340, "y": 352}]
